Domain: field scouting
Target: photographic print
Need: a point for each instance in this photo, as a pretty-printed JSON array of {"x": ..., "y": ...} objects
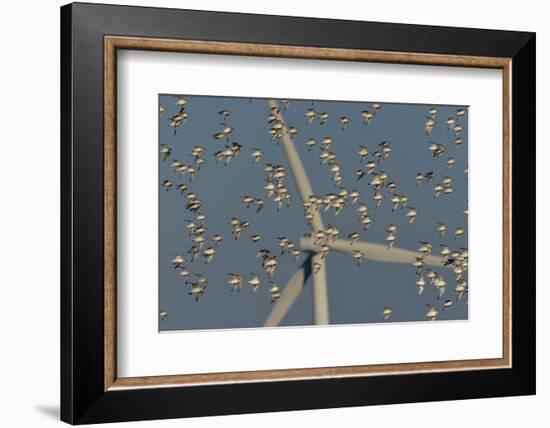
[{"x": 300, "y": 212}]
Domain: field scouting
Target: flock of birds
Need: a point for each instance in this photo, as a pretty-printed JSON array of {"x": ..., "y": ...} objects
[{"x": 384, "y": 188}]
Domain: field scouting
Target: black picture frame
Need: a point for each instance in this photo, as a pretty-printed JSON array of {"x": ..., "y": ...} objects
[{"x": 83, "y": 398}]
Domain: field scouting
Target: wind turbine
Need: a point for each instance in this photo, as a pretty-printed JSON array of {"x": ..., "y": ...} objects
[{"x": 297, "y": 282}]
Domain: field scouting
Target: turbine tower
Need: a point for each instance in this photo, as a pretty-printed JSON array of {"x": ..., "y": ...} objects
[{"x": 297, "y": 282}]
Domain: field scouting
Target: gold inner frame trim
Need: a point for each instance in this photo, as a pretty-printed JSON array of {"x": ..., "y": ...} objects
[{"x": 113, "y": 43}]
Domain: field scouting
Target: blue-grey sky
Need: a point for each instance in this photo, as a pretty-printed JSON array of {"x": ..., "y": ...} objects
[{"x": 357, "y": 294}]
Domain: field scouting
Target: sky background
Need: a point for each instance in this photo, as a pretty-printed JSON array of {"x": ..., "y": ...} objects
[{"x": 357, "y": 294}]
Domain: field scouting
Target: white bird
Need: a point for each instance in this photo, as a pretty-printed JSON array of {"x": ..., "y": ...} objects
[
  {"x": 209, "y": 254},
  {"x": 425, "y": 248},
  {"x": 181, "y": 102},
  {"x": 420, "y": 284},
  {"x": 395, "y": 200},
  {"x": 353, "y": 237},
  {"x": 436, "y": 149},
  {"x": 371, "y": 166},
  {"x": 184, "y": 273},
  {"x": 439, "y": 283},
  {"x": 202, "y": 218},
  {"x": 324, "y": 117},
  {"x": 447, "y": 304},
  {"x": 256, "y": 154},
  {"x": 445, "y": 251},
  {"x": 385, "y": 148},
  {"x": 255, "y": 282},
  {"x": 390, "y": 239},
  {"x": 224, "y": 114},
  {"x": 196, "y": 291},
  {"x": 438, "y": 188},
  {"x": 327, "y": 142},
  {"x": 316, "y": 267},
  {"x": 310, "y": 143},
  {"x": 292, "y": 131},
  {"x": 358, "y": 256},
  {"x": 275, "y": 292},
  {"x": 418, "y": 264},
  {"x": 363, "y": 209},
  {"x": 378, "y": 196},
  {"x": 274, "y": 288},
  {"x": 450, "y": 162},
  {"x": 366, "y": 222},
  {"x": 344, "y": 121},
  {"x": 182, "y": 187},
  {"x": 178, "y": 261},
  {"x": 411, "y": 215},
  {"x": 201, "y": 280},
  {"x": 431, "y": 313},
  {"x": 429, "y": 125},
  {"x": 247, "y": 200},
  {"x": 450, "y": 122},
  {"x": 461, "y": 288},
  {"x": 367, "y": 117},
  {"x": 165, "y": 151},
  {"x": 310, "y": 115},
  {"x": 235, "y": 281},
  {"x": 167, "y": 184},
  {"x": 217, "y": 238},
  {"x": 270, "y": 265}
]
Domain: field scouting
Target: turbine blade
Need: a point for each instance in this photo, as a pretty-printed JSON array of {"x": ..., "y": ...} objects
[
  {"x": 320, "y": 297},
  {"x": 372, "y": 251},
  {"x": 289, "y": 295},
  {"x": 296, "y": 167}
]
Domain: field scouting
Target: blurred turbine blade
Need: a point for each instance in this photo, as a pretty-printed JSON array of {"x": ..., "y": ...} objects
[
  {"x": 372, "y": 251},
  {"x": 320, "y": 298},
  {"x": 290, "y": 294},
  {"x": 296, "y": 167},
  {"x": 320, "y": 295}
]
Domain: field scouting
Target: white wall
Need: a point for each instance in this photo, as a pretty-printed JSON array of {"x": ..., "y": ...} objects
[{"x": 29, "y": 215}]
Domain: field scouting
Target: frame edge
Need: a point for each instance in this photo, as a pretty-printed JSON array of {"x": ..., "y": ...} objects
[{"x": 66, "y": 304}]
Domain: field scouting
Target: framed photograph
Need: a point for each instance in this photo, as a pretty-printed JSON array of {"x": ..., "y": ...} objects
[{"x": 265, "y": 213}]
